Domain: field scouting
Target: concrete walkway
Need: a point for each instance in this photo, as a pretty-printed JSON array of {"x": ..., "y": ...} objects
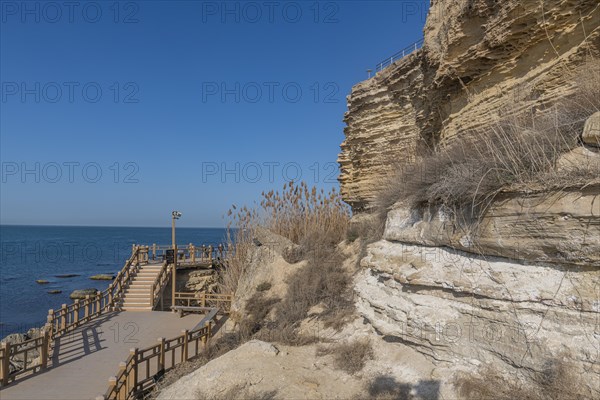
[{"x": 85, "y": 359}]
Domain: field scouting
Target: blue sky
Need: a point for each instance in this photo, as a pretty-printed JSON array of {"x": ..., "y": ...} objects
[{"x": 115, "y": 113}]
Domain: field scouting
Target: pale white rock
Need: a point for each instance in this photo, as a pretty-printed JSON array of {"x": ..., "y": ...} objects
[
  {"x": 591, "y": 131},
  {"x": 527, "y": 226},
  {"x": 458, "y": 307}
]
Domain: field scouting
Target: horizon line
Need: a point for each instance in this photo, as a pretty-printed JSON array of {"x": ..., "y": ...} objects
[{"x": 112, "y": 226}]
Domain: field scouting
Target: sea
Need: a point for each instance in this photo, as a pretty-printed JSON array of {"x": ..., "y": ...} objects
[{"x": 30, "y": 253}]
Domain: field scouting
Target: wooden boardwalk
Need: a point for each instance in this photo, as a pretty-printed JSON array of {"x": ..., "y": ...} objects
[{"x": 85, "y": 359}]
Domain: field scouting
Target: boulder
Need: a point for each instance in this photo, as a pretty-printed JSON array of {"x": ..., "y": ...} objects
[
  {"x": 102, "y": 277},
  {"x": 81, "y": 293},
  {"x": 591, "y": 131}
]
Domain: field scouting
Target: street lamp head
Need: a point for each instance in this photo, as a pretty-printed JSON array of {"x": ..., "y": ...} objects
[{"x": 176, "y": 214}]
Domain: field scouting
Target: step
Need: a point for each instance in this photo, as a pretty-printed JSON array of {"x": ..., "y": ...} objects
[
  {"x": 136, "y": 308},
  {"x": 136, "y": 303},
  {"x": 137, "y": 295}
]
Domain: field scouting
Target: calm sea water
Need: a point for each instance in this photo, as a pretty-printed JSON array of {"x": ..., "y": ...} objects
[{"x": 29, "y": 253}]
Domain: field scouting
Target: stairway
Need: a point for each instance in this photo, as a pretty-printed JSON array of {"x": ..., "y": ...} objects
[{"x": 137, "y": 296}]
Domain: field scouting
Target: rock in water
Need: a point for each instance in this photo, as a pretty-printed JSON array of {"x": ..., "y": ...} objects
[
  {"x": 55, "y": 291},
  {"x": 42, "y": 281},
  {"x": 102, "y": 277},
  {"x": 67, "y": 275},
  {"x": 81, "y": 293}
]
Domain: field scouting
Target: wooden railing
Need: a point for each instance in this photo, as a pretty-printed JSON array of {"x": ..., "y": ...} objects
[
  {"x": 189, "y": 252},
  {"x": 144, "y": 366},
  {"x": 202, "y": 299},
  {"x": 159, "y": 283},
  {"x": 70, "y": 317},
  {"x": 36, "y": 350},
  {"x": 139, "y": 373},
  {"x": 66, "y": 319}
]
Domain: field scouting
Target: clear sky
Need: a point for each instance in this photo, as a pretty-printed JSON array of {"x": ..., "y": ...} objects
[{"x": 115, "y": 113}]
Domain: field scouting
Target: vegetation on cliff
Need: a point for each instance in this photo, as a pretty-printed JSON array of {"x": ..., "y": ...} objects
[{"x": 521, "y": 150}]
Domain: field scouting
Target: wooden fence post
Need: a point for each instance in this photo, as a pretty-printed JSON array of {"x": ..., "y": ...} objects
[
  {"x": 184, "y": 351},
  {"x": 50, "y": 322},
  {"x": 86, "y": 305},
  {"x": 153, "y": 251},
  {"x": 63, "y": 317},
  {"x": 4, "y": 369},
  {"x": 45, "y": 346},
  {"x": 124, "y": 383},
  {"x": 112, "y": 383},
  {"x": 161, "y": 356},
  {"x": 110, "y": 300},
  {"x": 76, "y": 311},
  {"x": 98, "y": 297},
  {"x": 134, "y": 370}
]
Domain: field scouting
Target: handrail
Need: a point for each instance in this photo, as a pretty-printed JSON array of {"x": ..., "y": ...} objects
[
  {"x": 399, "y": 55},
  {"x": 159, "y": 283},
  {"x": 191, "y": 252},
  {"x": 69, "y": 317}
]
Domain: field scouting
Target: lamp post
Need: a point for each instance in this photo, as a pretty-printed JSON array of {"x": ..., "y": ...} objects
[{"x": 174, "y": 215}]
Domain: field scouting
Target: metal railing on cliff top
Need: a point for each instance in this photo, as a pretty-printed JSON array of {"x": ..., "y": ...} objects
[{"x": 399, "y": 55}]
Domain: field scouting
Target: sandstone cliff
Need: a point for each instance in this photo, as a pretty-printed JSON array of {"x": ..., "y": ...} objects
[
  {"x": 517, "y": 287},
  {"x": 478, "y": 57}
]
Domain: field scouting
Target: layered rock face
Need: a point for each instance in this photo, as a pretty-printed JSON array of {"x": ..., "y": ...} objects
[
  {"x": 515, "y": 288},
  {"x": 469, "y": 311},
  {"x": 561, "y": 227},
  {"x": 479, "y": 58}
]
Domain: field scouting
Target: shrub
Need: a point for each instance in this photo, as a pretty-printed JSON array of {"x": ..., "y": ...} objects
[
  {"x": 256, "y": 311},
  {"x": 322, "y": 281},
  {"x": 263, "y": 287},
  {"x": 350, "y": 357}
]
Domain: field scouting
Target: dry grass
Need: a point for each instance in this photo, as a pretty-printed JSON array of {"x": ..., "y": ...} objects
[
  {"x": 256, "y": 311},
  {"x": 323, "y": 281},
  {"x": 306, "y": 216},
  {"x": 555, "y": 382},
  {"x": 316, "y": 222},
  {"x": 350, "y": 357},
  {"x": 519, "y": 151},
  {"x": 263, "y": 286}
]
